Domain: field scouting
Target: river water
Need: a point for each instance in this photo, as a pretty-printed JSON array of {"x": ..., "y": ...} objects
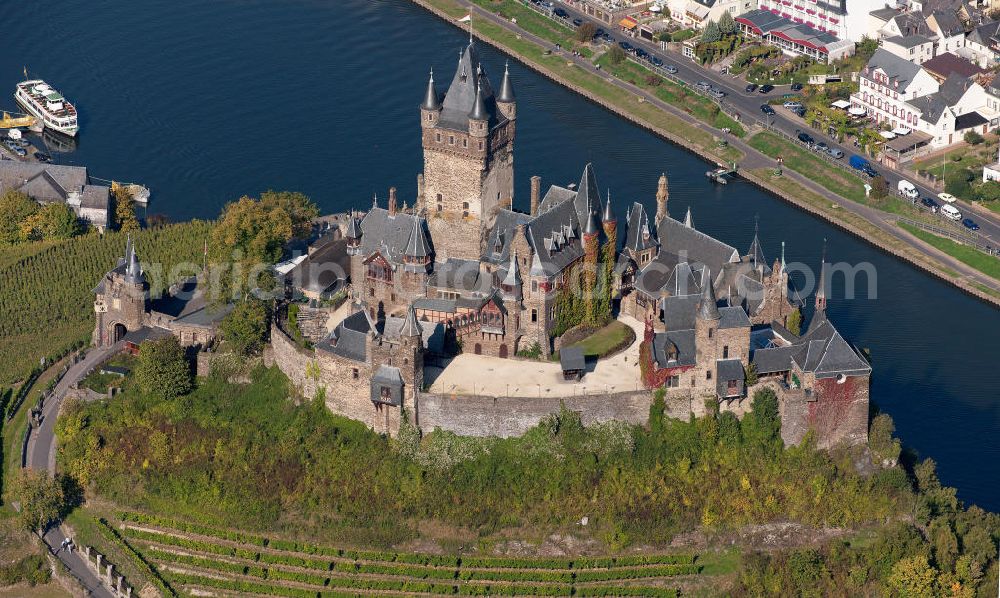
[{"x": 207, "y": 101}]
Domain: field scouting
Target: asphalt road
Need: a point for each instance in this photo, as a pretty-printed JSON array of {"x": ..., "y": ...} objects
[
  {"x": 42, "y": 455},
  {"x": 748, "y": 105}
]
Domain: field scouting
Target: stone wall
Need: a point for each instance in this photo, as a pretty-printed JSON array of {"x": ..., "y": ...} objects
[{"x": 469, "y": 415}]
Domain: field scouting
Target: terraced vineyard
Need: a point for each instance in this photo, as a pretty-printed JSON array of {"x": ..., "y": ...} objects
[{"x": 195, "y": 559}]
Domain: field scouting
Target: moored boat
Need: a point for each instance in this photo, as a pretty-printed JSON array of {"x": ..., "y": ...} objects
[{"x": 42, "y": 101}]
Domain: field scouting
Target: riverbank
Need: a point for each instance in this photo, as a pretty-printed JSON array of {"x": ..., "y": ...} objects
[{"x": 670, "y": 123}]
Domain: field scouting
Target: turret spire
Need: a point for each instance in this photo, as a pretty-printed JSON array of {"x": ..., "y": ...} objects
[
  {"x": 782, "y": 256},
  {"x": 431, "y": 100},
  {"x": 506, "y": 87},
  {"x": 821, "y": 288},
  {"x": 479, "y": 108},
  {"x": 411, "y": 326},
  {"x": 707, "y": 307},
  {"x": 688, "y": 221},
  {"x": 662, "y": 194},
  {"x": 609, "y": 215}
]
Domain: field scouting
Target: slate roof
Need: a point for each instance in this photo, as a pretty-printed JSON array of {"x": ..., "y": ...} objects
[
  {"x": 504, "y": 229},
  {"x": 392, "y": 235},
  {"x": 572, "y": 359},
  {"x": 460, "y": 275},
  {"x": 682, "y": 340},
  {"x": 733, "y": 317},
  {"x": 387, "y": 376},
  {"x": 986, "y": 34},
  {"x": 54, "y": 183},
  {"x": 884, "y": 14},
  {"x": 909, "y": 41},
  {"x": 822, "y": 351},
  {"x": 895, "y": 68},
  {"x": 322, "y": 269},
  {"x": 555, "y": 236},
  {"x": 934, "y": 104},
  {"x": 947, "y": 21},
  {"x": 639, "y": 234},
  {"x": 348, "y": 339},
  {"x": 726, "y": 370},
  {"x": 946, "y": 64},
  {"x": 679, "y": 312},
  {"x": 460, "y": 99},
  {"x": 682, "y": 240}
]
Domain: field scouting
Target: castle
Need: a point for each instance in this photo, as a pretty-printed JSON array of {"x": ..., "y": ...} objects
[{"x": 460, "y": 266}]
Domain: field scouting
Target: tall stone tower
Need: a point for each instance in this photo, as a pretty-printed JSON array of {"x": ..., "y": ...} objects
[
  {"x": 120, "y": 299},
  {"x": 662, "y": 194},
  {"x": 468, "y": 141},
  {"x": 706, "y": 327}
]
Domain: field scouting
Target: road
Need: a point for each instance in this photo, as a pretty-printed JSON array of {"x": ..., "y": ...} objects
[
  {"x": 754, "y": 159},
  {"x": 42, "y": 455},
  {"x": 748, "y": 105}
]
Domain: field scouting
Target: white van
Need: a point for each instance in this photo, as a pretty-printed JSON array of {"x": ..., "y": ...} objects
[
  {"x": 906, "y": 189},
  {"x": 949, "y": 211}
]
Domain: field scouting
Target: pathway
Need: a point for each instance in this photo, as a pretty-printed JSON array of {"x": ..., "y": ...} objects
[
  {"x": 42, "y": 455},
  {"x": 469, "y": 374}
]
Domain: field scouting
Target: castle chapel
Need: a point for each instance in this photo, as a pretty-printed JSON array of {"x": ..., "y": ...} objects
[{"x": 459, "y": 265}]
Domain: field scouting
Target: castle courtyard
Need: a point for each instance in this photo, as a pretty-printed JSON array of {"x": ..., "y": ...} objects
[{"x": 469, "y": 374}]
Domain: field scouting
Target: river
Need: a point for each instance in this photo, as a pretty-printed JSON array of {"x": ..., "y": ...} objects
[{"x": 207, "y": 101}]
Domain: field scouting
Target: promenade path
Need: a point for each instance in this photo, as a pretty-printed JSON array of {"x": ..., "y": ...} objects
[{"x": 42, "y": 455}]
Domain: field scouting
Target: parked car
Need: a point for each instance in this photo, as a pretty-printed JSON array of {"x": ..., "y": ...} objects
[
  {"x": 906, "y": 189},
  {"x": 859, "y": 163},
  {"x": 946, "y": 197},
  {"x": 43, "y": 157},
  {"x": 717, "y": 93},
  {"x": 970, "y": 224},
  {"x": 703, "y": 85},
  {"x": 562, "y": 14},
  {"x": 821, "y": 146},
  {"x": 766, "y": 88},
  {"x": 577, "y": 22},
  {"x": 796, "y": 87},
  {"x": 806, "y": 138},
  {"x": 930, "y": 203},
  {"x": 835, "y": 153},
  {"x": 792, "y": 105},
  {"x": 801, "y": 111},
  {"x": 20, "y": 151},
  {"x": 670, "y": 69},
  {"x": 766, "y": 109},
  {"x": 951, "y": 212},
  {"x": 625, "y": 46},
  {"x": 751, "y": 88},
  {"x": 656, "y": 61},
  {"x": 641, "y": 53}
]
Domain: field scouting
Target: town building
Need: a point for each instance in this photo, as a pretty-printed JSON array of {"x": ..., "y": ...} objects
[
  {"x": 53, "y": 183},
  {"x": 796, "y": 38}
]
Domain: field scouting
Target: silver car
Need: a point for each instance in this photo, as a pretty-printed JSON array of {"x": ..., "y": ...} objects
[{"x": 835, "y": 153}]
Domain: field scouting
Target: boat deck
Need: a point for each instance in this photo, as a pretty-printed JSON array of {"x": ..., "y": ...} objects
[{"x": 40, "y": 100}]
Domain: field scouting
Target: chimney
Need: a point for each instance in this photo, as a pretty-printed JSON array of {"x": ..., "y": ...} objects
[
  {"x": 536, "y": 191},
  {"x": 392, "y": 201}
]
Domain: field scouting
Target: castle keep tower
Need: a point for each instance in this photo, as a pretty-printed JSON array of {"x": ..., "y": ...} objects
[
  {"x": 468, "y": 141},
  {"x": 120, "y": 299}
]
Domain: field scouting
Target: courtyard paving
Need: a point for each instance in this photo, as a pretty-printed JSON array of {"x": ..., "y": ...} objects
[{"x": 492, "y": 376}]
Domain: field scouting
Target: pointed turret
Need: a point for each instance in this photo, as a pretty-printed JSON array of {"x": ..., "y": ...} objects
[
  {"x": 755, "y": 253},
  {"x": 134, "y": 273},
  {"x": 411, "y": 326},
  {"x": 588, "y": 198},
  {"x": 662, "y": 194},
  {"x": 431, "y": 99},
  {"x": 688, "y": 221},
  {"x": 511, "y": 283},
  {"x": 821, "y": 286},
  {"x": 708, "y": 309},
  {"x": 506, "y": 87},
  {"x": 609, "y": 215},
  {"x": 592, "y": 227},
  {"x": 479, "y": 106},
  {"x": 353, "y": 227}
]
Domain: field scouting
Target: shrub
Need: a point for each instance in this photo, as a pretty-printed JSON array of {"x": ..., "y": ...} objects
[
  {"x": 973, "y": 138},
  {"x": 616, "y": 55}
]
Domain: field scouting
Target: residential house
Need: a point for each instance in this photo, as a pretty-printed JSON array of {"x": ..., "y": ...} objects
[
  {"x": 53, "y": 183},
  {"x": 793, "y": 38},
  {"x": 982, "y": 45}
]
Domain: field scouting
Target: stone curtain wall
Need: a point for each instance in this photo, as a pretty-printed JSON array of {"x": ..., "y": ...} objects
[{"x": 469, "y": 415}]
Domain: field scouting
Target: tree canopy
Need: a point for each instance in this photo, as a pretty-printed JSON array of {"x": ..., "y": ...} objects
[
  {"x": 163, "y": 370},
  {"x": 727, "y": 26},
  {"x": 41, "y": 498},
  {"x": 15, "y": 208},
  {"x": 246, "y": 327},
  {"x": 711, "y": 33}
]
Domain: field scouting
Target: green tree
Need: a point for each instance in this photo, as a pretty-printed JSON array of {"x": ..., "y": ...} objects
[
  {"x": 52, "y": 221},
  {"x": 762, "y": 426},
  {"x": 867, "y": 47},
  {"x": 988, "y": 191},
  {"x": 163, "y": 371},
  {"x": 914, "y": 577},
  {"x": 586, "y": 32},
  {"x": 300, "y": 209},
  {"x": 945, "y": 544},
  {"x": 973, "y": 138},
  {"x": 246, "y": 327},
  {"x": 125, "y": 217},
  {"x": 794, "y": 322},
  {"x": 726, "y": 24},
  {"x": 880, "y": 188},
  {"x": 15, "y": 208},
  {"x": 711, "y": 33},
  {"x": 616, "y": 55},
  {"x": 883, "y": 446},
  {"x": 248, "y": 238},
  {"x": 957, "y": 183},
  {"x": 41, "y": 498}
]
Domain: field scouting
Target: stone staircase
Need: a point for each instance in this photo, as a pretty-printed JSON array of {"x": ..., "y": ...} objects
[{"x": 312, "y": 322}]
